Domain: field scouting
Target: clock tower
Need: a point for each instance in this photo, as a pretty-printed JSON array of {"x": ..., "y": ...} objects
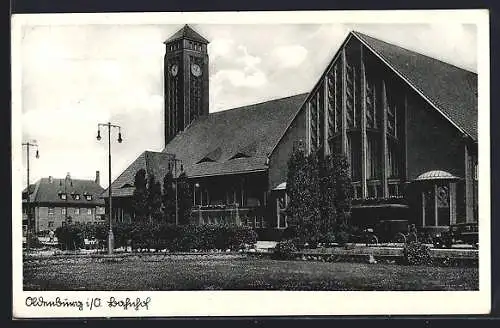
[{"x": 185, "y": 80}]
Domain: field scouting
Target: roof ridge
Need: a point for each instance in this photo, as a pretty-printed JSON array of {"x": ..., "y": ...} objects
[
  {"x": 259, "y": 103},
  {"x": 358, "y": 34},
  {"x": 124, "y": 171},
  {"x": 429, "y": 98}
]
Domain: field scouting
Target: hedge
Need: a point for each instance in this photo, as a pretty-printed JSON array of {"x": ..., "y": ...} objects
[{"x": 160, "y": 236}]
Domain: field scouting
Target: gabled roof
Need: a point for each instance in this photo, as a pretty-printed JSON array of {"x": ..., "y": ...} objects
[
  {"x": 32, "y": 188},
  {"x": 155, "y": 163},
  {"x": 252, "y": 130},
  {"x": 450, "y": 89},
  {"x": 187, "y": 32},
  {"x": 47, "y": 190}
]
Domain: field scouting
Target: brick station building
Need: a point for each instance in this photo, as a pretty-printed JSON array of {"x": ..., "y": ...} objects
[{"x": 406, "y": 122}]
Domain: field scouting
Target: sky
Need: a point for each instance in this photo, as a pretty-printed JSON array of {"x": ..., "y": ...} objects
[{"x": 76, "y": 76}]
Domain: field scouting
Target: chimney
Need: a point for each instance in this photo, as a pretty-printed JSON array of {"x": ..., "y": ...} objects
[
  {"x": 50, "y": 179},
  {"x": 68, "y": 176},
  {"x": 97, "y": 178}
]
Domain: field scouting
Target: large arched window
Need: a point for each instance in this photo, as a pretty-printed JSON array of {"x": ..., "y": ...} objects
[{"x": 395, "y": 137}]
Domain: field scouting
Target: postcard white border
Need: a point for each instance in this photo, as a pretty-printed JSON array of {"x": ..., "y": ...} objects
[{"x": 260, "y": 303}]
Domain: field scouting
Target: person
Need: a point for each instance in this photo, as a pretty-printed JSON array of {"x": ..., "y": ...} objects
[{"x": 51, "y": 236}]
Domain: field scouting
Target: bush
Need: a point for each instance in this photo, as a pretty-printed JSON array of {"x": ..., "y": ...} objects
[
  {"x": 160, "y": 236},
  {"x": 329, "y": 238},
  {"x": 71, "y": 236},
  {"x": 34, "y": 242},
  {"x": 416, "y": 253},
  {"x": 285, "y": 250}
]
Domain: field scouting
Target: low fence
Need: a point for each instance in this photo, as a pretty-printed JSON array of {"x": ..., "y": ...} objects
[{"x": 374, "y": 254}]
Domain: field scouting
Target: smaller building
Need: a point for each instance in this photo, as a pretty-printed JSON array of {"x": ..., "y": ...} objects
[{"x": 54, "y": 202}]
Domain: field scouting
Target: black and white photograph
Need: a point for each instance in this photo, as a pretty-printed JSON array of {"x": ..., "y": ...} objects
[{"x": 250, "y": 163}]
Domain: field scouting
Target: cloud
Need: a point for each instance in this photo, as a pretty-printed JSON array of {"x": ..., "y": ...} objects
[
  {"x": 289, "y": 56},
  {"x": 220, "y": 47},
  {"x": 248, "y": 60},
  {"x": 240, "y": 78}
]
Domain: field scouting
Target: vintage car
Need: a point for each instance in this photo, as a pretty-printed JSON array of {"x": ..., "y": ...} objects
[
  {"x": 394, "y": 231},
  {"x": 461, "y": 233}
]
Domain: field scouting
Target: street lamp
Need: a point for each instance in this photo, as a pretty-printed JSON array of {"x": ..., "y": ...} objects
[
  {"x": 29, "y": 144},
  {"x": 109, "y": 126},
  {"x": 196, "y": 186}
]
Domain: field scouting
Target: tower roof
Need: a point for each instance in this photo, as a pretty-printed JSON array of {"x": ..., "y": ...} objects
[{"x": 187, "y": 32}]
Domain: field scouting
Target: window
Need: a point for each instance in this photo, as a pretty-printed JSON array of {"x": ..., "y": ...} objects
[
  {"x": 63, "y": 196},
  {"x": 88, "y": 197},
  {"x": 77, "y": 211},
  {"x": 350, "y": 96},
  {"x": 77, "y": 197},
  {"x": 373, "y": 154},
  {"x": 314, "y": 122},
  {"x": 375, "y": 191},
  {"x": 100, "y": 210},
  {"x": 63, "y": 211},
  {"x": 51, "y": 211},
  {"x": 89, "y": 211},
  {"x": 395, "y": 190},
  {"x": 354, "y": 155},
  {"x": 357, "y": 192},
  {"x": 51, "y": 224},
  {"x": 239, "y": 155},
  {"x": 394, "y": 159}
]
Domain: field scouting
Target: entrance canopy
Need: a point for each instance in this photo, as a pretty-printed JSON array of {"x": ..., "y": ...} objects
[
  {"x": 436, "y": 175},
  {"x": 281, "y": 186}
]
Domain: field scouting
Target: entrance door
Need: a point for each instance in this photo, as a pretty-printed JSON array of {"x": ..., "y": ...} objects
[
  {"x": 439, "y": 205},
  {"x": 281, "y": 205},
  {"x": 443, "y": 205}
]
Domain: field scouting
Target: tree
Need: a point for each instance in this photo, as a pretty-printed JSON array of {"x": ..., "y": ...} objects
[
  {"x": 184, "y": 198},
  {"x": 154, "y": 199},
  {"x": 344, "y": 190},
  {"x": 303, "y": 191},
  {"x": 168, "y": 197},
  {"x": 320, "y": 192},
  {"x": 139, "y": 197},
  {"x": 328, "y": 195}
]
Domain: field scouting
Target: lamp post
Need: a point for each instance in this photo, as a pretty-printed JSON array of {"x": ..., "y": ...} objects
[
  {"x": 29, "y": 144},
  {"x": 109, "y": 126},
  {"x": 196, "y": 186}
]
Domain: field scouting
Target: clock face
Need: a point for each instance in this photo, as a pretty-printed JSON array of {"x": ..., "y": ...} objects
[
  {"x": 174, "y": 70},
  {"x": 196, "y": 69}
]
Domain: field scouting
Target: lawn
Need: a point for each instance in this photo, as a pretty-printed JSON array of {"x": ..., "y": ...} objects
[{"x": 162, "y": 272}]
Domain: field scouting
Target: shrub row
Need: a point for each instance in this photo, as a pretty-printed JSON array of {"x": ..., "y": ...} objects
[{"x": 159, "y": 236}]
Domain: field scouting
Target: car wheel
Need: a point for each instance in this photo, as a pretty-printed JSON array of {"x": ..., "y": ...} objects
[
  {"x": 372, "y": 240},
  {"x": 400, "y": 238}
]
